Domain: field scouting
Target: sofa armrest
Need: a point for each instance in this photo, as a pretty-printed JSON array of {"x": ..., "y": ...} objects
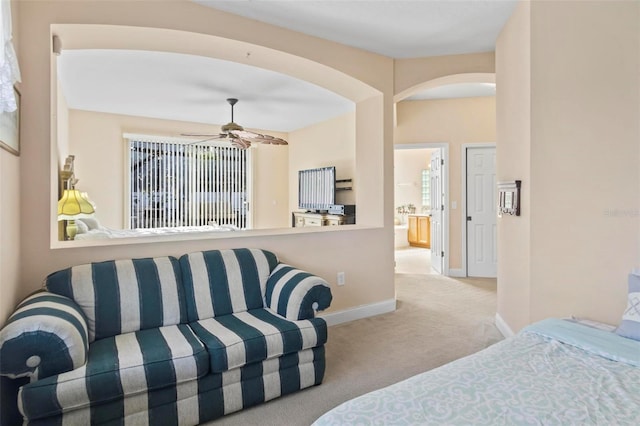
[
  {"x": 296, "y": 294},
  {"x": 45, "y": 336}
]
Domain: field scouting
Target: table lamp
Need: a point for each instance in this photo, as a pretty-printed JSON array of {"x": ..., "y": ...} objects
[{"x": 73, "y": 206}]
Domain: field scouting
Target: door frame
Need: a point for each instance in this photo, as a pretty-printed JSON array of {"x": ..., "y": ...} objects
[
  {"x": 463, "y": 198},
  {"x": 444, "y": 146}
]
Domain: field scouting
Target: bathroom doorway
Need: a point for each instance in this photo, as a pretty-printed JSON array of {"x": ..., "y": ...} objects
[{"x": 420, "y": 203}]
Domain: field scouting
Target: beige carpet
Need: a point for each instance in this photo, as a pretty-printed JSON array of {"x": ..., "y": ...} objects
[
  {"x": 438, "y": 319},
  {"x": 413, "y": 260}
]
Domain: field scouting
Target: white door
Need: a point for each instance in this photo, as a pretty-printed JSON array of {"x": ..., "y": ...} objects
[
  {"x": 481, "y": 212},
  {"x": 437, "y": 211}
]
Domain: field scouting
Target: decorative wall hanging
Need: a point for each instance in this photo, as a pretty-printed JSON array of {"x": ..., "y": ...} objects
[{"x": 509, "y": 198}]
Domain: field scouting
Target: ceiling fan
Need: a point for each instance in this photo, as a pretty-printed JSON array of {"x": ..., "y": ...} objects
[{"x": 236, "y": 134}]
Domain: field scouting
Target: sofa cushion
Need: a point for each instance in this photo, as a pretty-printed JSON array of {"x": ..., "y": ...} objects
[
  {"x": 125, "y": 365},
  {"x": 209, "y": 397},
  {"x": 238, "y": 339},
  {"x": 221, "y": 282},
  {"x": 121, "y": 296}
]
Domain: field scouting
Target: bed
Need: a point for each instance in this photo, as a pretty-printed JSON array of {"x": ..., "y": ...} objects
[
  {"x": 91, "y": 229},
  {"x": 554, "y": 372}
]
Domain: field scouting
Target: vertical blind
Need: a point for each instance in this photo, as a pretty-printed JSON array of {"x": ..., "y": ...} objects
[{"x": 177, "y": 184}]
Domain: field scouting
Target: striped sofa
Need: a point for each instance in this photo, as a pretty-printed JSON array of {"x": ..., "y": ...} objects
[{"x": 164, "y": 340}]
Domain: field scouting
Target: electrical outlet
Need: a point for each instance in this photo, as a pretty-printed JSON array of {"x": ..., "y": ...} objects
[{"x": 340, "y": 278}]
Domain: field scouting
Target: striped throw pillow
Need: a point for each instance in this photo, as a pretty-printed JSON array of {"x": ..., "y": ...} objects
[{"x": 45, "y": 336}]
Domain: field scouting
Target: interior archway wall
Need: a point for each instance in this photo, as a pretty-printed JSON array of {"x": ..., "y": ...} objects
[
  {"x": 92, "y": 36},
  {"x": 135, "y": 38},
  {"x": 323, "y": 252},
  {"x": 468, "y": 77},
  {"x": 437, "y": 121}
]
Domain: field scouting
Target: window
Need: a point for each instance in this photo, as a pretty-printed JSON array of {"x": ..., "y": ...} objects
[
  {"x": 426, "y": 191},
  {"x": 173, "y": 183}
]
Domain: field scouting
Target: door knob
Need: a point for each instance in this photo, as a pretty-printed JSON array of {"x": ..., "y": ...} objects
[{"x": 468, "y": 218}]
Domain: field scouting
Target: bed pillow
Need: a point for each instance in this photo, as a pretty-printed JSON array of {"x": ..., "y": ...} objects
[
  {"x": 591, "y": 323},
  {"x": 630, "y": 325},
  {"x": 81, "y": 227},
  {"x": 91, "y": 222}
]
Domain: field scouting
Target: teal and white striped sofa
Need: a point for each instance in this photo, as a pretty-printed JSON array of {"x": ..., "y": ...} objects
[{"x": 165, "y": 340}]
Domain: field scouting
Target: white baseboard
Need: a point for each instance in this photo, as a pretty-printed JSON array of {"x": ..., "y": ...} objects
[
  {"x": 457, "y": 273},
  {"x": 359, "y": 312},
  {"x": 503, "y": 327}
]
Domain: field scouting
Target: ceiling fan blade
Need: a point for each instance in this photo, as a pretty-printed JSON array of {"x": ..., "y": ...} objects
[
  {"x": 258, "y": 137},
  {"x": 240, "y": 143},
  {"x": 269, "y": 140},
  {"x": 246, "y": 134},
  {"x": 206, "y": 135}
]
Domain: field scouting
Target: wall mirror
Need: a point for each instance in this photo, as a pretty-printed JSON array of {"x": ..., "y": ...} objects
[{"x": 122, "y": 107}]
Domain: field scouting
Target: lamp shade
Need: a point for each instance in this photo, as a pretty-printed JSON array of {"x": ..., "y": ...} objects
[{"x": 73, "y": 205}]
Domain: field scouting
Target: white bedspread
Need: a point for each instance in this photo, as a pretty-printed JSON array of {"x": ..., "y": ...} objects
[
  {"x": 553, "y": 373},
  {"x": 106, "y": 233}
]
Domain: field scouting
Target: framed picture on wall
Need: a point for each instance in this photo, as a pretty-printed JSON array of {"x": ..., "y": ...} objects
[
  {"x": 10, "y": 128},
  {"x": 509, "y": 198}
]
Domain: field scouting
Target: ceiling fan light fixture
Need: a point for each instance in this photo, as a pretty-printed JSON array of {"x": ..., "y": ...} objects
[{"x": 232, "y": 126}]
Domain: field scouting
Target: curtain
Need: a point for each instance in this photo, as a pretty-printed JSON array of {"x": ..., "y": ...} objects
[{"x": 9, "y": 69}]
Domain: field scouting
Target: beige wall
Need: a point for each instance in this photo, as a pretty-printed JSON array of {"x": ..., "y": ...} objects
[
  {"x": 583, "y": 141},
  {"x": 585, "y": 106},
  {"x": 10, "y": 224},
  {"x": 62, "y": 125},
  {"x": 407, "y": 171},
  {"x": 374, "y": 167},
  {"x": 330, "y": 143},
  {"x": 10, "y": 217},
  {"x": 456, "y": 122},
  {"x": 96, "y": 140},
  {"x": 582, "y": 221},
  {"x": 413, "y": 72},
  {"x": 323, "y": 253},
  {"x": 271, "y": 186},
  {"x": 513, "y": 118}
]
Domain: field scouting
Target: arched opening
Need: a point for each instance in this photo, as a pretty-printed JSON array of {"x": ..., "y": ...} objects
[
  {"x": 367, "y": 100},
  {"x": 451, "y": 114}
]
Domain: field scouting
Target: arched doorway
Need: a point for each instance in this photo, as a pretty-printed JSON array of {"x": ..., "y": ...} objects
[{"x": 457, "y": 112}]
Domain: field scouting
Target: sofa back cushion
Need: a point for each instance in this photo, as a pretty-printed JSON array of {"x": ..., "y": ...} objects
[
  {"x": 121, "y": 296},
  {"x": 222, "y": 282}
]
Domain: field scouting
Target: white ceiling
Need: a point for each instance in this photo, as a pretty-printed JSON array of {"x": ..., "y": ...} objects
[
  {"x": 193, "y": 88},
  {"x": 394, "y": 28}
]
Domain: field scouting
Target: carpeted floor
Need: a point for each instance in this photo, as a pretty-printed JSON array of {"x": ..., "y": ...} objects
[
  {"x": 438, "y": 319},
  {"x": 413, "y": 260}
]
